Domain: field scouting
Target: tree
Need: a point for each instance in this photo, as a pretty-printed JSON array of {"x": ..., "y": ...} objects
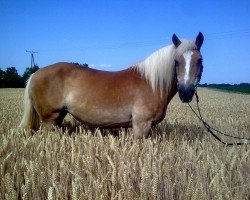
[
  {"x": 2, "y": 78},
  {"x": 83, "y": 65},
  {"x": 12, "y": 71},
  {"x": 10, "y": 78},
  {"x": 28, "y": 71}
]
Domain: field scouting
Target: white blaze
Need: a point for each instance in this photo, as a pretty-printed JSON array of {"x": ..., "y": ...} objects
[{"x": 187, "y": 56}]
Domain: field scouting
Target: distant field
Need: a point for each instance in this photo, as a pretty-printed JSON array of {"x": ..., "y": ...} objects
[{"x": 180, "y": 161}]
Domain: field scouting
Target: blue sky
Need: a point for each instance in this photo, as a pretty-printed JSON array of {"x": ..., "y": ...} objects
[{"x": 111, "y": 35}]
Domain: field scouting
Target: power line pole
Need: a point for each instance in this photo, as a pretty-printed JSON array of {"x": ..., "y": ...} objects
[{"x": 32, "y": 63}]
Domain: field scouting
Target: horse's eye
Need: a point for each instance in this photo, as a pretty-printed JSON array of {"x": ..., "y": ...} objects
[
  {"x": 199, "y": 62},
  {"x": 176, "y": 63}
]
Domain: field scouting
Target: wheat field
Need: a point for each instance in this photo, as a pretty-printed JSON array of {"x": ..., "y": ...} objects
[{"x": 179, "y": 161}]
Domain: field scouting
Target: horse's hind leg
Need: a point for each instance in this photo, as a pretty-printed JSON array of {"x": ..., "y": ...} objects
[
  {"x": 48, "y": 125},
  {"x": 50, "y": 120}
]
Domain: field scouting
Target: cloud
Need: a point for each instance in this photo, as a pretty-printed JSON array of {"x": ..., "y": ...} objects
[
  {"x": 91, "y": 65},
  {"x": 105, "y": 65}
]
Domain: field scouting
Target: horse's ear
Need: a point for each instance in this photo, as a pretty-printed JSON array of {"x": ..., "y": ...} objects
[
  {"x": 199, "y": 40},
  {"x": 176, "y": 41}
]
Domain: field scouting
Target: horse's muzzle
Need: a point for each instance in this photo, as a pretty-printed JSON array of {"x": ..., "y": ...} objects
[{"x": 186, "y": 93}]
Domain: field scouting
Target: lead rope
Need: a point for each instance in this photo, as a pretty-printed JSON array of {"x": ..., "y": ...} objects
[{"x": 211, "y": 129}]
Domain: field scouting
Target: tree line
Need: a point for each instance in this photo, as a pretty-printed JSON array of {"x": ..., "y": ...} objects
[
  {"x": 11, "y": 79},
  {"x": 242, "y": 87}
]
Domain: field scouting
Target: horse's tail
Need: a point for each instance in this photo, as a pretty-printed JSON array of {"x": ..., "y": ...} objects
[{"x": 30, "y": 118}]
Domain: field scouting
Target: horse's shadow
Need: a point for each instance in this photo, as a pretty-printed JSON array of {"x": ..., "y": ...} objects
[
  {"x": 189, "y": 132},
  {"x": 76, "y": 127},
  {"x": 161, "y": 131}
]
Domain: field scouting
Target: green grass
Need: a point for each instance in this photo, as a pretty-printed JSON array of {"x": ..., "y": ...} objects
[{"x": 239, "y": 88}]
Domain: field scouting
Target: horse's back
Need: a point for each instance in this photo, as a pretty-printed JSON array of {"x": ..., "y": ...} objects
[{"x": 74, "y": 73}]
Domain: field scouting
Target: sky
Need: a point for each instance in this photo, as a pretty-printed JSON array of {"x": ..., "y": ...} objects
[{"x": 114, "y": 34}]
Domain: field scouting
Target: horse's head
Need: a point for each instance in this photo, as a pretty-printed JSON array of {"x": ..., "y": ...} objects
[{"x": 188, "y": 67}]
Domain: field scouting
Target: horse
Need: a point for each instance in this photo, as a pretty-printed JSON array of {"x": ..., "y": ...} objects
[{"x": 136, "y": 97}]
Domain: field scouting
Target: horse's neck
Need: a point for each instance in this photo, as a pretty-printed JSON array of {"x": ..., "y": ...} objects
[
  {"x": 164, "y": 96},
  {"x": 168, "y": 95}
]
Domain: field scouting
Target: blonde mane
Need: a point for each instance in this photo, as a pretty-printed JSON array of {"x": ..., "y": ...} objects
[{"x": 158, "y": 68}]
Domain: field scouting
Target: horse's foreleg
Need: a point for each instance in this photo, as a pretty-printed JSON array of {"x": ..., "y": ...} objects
[{"x": 141, "y": 128}]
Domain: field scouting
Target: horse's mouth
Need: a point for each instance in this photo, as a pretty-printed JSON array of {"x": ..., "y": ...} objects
[{"x": 186, "y": 94}]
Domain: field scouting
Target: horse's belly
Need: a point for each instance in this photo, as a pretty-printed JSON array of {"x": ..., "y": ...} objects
[
  {"x": 103, "y": 117},
  {"x": 99, "y": 109}
]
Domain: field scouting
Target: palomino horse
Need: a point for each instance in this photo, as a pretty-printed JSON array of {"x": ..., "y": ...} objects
[{"x": 136, "y": 97}]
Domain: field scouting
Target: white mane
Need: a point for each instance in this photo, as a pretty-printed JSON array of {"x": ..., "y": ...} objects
[{"x": 158, "y": 68}]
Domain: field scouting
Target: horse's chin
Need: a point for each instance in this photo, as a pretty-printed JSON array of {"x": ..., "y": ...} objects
[{"x": 186, "y": 100}]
